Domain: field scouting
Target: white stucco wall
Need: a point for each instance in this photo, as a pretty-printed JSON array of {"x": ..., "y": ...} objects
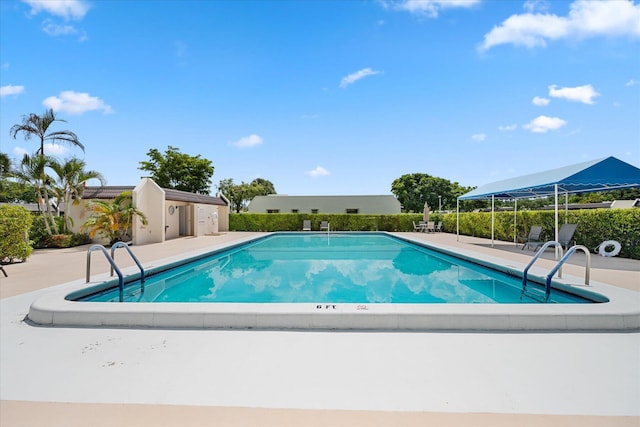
[
  {"x": 206, "y": 219},
  {"x": 148, "y": 197}
]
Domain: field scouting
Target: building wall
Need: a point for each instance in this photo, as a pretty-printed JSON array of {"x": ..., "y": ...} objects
[
  {"x": 206, "y": 219},
  {"x": 149, "y": 198},
  {"x": 162, "y": 225},
  {"x": 326, "y": 204}
]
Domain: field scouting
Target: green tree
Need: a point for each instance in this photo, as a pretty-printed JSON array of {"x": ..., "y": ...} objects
[
  {"x": 112, "y": 219},
  {"x": 262, "y": 187},
  {"x": 33, "y": 171},
  {"x": 15, "y": 222},
  {"x": 236, "y": 194},
  {"x": 413, "y": 190},
  {"x": 179, "y": 171},
  {"x": 241, "y": 194},
  {"x": 70, "y": 182},
  {"x": 35, "y": 126}
]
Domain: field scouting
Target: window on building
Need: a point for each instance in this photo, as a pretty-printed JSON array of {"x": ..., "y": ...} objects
[
  {"x": 294, "y": 210},
  {"x": 314, "y": 211},
  {"x": 352, "y": 211},
  {"x": 273, "y": 210}
]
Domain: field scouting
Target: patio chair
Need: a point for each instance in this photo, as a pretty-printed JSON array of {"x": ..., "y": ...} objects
[
  {"x": 533, "y": 239},
  {"x": 565, "y": 235},
  {"x": 421, "y": 226},
  {"x": 324, "y": 225},
  {"x": 306, "y": 225},
  {"x": 431, "y": 226},
  {"x": 439, "y": 226}
]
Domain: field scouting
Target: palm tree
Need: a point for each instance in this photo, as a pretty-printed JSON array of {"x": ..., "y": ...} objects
[
  {"x": 32, "y": 170},
  {"x": 34, "y": 125},
  {"x": 70, "y": 184},
  {"x": 112, "y": 219}
]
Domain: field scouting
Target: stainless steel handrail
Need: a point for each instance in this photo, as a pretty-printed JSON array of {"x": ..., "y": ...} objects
[
  {"x": 113, "y": 267},
  {"x": 124, "y": 245},
  {"x": 564, "y": 259},
  {"x": 533, "y": 260}
]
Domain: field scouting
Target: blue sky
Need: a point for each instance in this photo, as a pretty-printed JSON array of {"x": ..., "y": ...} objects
[{"x": 328, "y": 97}]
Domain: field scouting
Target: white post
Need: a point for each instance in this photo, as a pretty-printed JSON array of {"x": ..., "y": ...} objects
[
  {"x": 556, "y": 219},
  {"x": 457, "y": 220},
  {"x": 493, "y": 216},
  {"x": 515, "y": 222}
]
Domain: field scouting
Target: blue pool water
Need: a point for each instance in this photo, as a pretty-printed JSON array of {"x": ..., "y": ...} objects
[{"x": 336, "y": 268}]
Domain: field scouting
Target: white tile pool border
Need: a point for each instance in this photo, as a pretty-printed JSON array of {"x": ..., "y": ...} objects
[{"x": 621, "y": 313}]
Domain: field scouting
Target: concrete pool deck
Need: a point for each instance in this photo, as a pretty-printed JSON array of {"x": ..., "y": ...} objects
[{"x": 84, "y": 376}]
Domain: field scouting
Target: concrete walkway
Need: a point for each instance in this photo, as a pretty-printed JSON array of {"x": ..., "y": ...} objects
[{"x": 105, "y": 377}]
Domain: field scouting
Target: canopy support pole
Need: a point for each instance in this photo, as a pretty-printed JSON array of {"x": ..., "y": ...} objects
[
  {"x": 457, "y": 220},
  {"x": 493, "y": 216},
  {"x": 555, "y": 187},
  {"x": 515, "y": 222}
]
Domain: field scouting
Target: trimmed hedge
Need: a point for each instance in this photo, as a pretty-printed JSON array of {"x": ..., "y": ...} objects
[
  {"x": 14, "y": 225},
  {"x": 594, "y": 225}
]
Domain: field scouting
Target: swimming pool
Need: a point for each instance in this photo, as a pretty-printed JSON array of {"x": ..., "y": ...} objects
[
  {"x": 619, "y": 310},
  {"x": 333, "y": 268}
]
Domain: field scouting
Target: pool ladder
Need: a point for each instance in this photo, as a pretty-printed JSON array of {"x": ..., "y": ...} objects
[
  {"x": 114, "y": 266},
  {"x": 557, "y": 268}
]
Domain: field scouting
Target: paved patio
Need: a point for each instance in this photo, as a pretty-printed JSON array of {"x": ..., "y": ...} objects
[{"x": 75, "y": 376}]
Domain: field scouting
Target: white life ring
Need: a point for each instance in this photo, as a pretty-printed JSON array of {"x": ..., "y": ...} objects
[{"x": 602, "y": 248}]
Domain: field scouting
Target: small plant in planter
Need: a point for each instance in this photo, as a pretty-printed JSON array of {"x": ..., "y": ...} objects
[{"x": 112, "y": 220}]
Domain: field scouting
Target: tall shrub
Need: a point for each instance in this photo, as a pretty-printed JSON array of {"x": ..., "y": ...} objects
[{"x": 15, "y": 222}]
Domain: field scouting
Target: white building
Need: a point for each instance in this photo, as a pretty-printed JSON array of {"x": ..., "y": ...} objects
[
  {"x": 170, "y": 213},
  {"x": 276, "y": 203}
]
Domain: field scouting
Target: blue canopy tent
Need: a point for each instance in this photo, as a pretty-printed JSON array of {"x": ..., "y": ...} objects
[{"x": 596, "y": 175}]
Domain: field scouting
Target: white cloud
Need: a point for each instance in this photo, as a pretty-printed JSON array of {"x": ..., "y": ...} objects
[
  {"x": 584, "y": 94},
  {"x": 536, "y": 5},
  {"x": 10, "y": 90},
  {"x": 540, "y": 102},
  {"x": 76, "y": 103},
  {"x": 586, "y": 19},
  {"x": 508, "y": 128},
  {"x": 248, "y": 141},
  {"x": 354, "y": 77},
  {"x": 55, "y": 30},
  {"x": 543, "y": 124},
  {"x": 68, "y": 9},
  {"x": 631, "y": 82},
  {"x": 318, "y": 171},
  {"x": 479, "y": 136},
  {"x": 54, "y": 149},
  {"x": 430, "y": 8},
  {"x": 180, "y": 48},
  {"x": 19, "y": 152}
]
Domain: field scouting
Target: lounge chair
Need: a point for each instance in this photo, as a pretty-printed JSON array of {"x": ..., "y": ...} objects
[
  {"x": 565, "y": 235},
  {"x": 419, "y": 227},
  {"x": 533, "y": 239},
  {"x": 324, "y": 225},
  {"x": 306, "y": 225}
]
